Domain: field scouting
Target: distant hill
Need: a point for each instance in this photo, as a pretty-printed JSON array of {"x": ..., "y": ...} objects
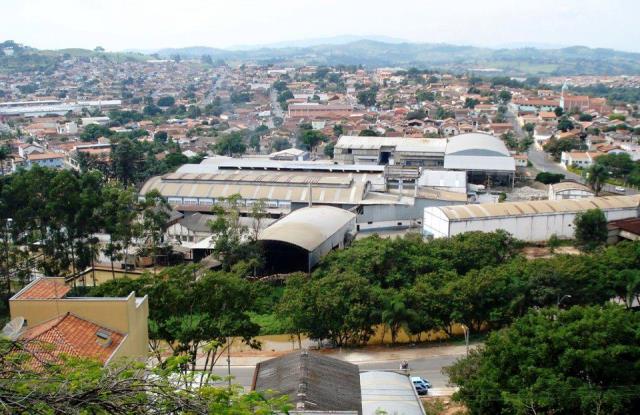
[
  {"x": 339, "y": 50},
  {"x": 574, "y": 60}
]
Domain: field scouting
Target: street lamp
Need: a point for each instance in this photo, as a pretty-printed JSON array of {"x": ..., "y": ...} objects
[{"x": 466, "y": 336}]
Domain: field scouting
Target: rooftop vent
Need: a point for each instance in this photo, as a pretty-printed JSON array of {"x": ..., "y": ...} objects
[{"x": 103, "y": 338}]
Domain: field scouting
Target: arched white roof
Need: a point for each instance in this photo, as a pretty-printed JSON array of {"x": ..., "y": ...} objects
[
  {"x": 308, "y": 227},
  {"x": 480, "y": 152},
  {"x": 476, "y": 144}
]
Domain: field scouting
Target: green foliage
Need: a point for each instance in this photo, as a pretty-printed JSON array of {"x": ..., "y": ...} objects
[
  {"x": 328, "y": 150},
  {"x": 309, "y": 139},
  {"x": 565, "y": 124},
  {"x": 555, "y": 146},
  {"x": 504, "y": 96},
  {"x": 416, "y": 115},
  {"x": 552, "y": 361},
  {"x": 549, "y": 178},
  {"x": 230, "y": 144},
  {"x": 94, "y": 131},
  {"x": 80, "y": 386},
  {"x": 190, "y": 313},
  {"x": 368, "y": 97},
  {"x": 422, "y": 96},
  {"x": 591, "y": 229},
  {"x": 475, "y": 278},
  {"x": 596, "y": 176},
  {"x": 167, "y": 101},
  {"x": 280, "y": 144},
  {"x": 558, "y": 111},
  {"x": 471, "y": 103}
]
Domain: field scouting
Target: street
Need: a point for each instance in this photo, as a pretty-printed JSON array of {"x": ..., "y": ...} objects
[{"x": 429, "y": 367}]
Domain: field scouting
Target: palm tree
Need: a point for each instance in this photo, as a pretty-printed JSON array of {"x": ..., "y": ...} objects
[{"x": 596, "y": 176}]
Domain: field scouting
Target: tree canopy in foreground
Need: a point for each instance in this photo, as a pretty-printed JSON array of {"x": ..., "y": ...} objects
[{"x": 584, "y": 360}]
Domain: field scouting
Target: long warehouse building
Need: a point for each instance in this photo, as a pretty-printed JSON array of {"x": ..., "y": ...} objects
[
  {"x": 527, "y": 221},
  {"x": 285, "y": 187}
]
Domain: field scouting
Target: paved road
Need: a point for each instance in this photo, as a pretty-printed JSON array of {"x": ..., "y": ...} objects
[
  {"x": 543, "y": 162},
  {"x": 429, "y": 368}
]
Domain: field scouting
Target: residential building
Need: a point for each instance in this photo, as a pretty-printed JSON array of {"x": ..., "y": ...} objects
[{"x": 74, "y": 325}]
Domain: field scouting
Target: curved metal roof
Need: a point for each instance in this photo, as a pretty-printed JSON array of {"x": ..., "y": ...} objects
[
  {"x": 477, "y": 144},
  {"x": 308, "y": 227}
]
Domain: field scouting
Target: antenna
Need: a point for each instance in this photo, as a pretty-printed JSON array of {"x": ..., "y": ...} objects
[{"x": 13, "y": 329}]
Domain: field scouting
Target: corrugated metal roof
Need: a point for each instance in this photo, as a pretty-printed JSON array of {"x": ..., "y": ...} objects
[
  {"x": 389, "y": 392},
  {"x": 337, "y": 188},
  {"x": 430, "y": 145},
  {"x": 308, "y": 227},
  {"x": 478, "y": 142},
  {"x": 558, "y": 187},
  {"x": 313, "y": 381},
  {"x": 489, "y": 210}
]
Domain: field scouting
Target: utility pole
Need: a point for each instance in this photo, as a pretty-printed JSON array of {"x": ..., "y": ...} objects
[
  {"x": 466, "y": 337},
  {"x": 229, "y": 362}
]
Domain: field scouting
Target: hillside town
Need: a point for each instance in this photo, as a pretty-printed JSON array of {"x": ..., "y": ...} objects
[{"x": 184, "y": 234}]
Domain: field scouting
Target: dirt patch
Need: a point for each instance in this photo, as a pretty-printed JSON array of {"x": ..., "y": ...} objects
[
  {"x": 442, "y": 406},
  {"x": 534, "y": 252}
]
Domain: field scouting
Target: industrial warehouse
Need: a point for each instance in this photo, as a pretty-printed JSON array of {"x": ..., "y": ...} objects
[
  {"x": 484, "y": 157},
  {"x": 284, "y": 187},
  {"x": 527, "y": 221}
]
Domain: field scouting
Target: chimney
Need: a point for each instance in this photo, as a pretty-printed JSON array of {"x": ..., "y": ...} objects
[{"x": 103, "y": 338}]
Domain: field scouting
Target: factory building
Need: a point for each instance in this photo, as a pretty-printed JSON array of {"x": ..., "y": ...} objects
[
  {"x": 402, "y": 151},
  {"x": 299, "y": 240},
  {"x": 527, "y": 221},
  {"x": 287, "y": 186},
  {"x": 484, "y": 157}
]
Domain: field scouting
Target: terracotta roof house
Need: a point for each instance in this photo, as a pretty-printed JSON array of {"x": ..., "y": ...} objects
[
  {"x": 104, "y": 328},
  {"x": 71, "y": 335}
]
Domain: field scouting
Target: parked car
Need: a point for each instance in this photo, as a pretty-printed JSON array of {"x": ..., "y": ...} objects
[
  {"x": 420, "y": 389},
  {"x": 422, "y": 385},
  {"x": 620, "y": 189}
]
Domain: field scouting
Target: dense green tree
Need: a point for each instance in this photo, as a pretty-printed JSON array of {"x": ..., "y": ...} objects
[
  {"x": 596, "y": 176},
  {"x": 555, "y": 146},
  {"x": 126, "y": 158},
  {"x": 94, "y": 131},
  {"x": 591, "y": 229},
  {"x": 166, "y": 101},
  {"x": 339, "y": 307},
  {"x": 230, "y": 144},
  {"x": 367, "y": 132},
  {"x": 280, "y": 144},
  {"x": 191, "y": 312},
  {"x": 504, "y": 96},
  {"x": 368, "y": 97},
  {"x": 565, "y": 124},
  {"x": 310, "y": 139},
  {"x": 328, "y": 150},
  {"x": 558, "y": 111},
  {"x": 553, "y": 361}
]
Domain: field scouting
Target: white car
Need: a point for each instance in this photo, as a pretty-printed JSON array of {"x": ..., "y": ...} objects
[{"x": 620, "y": 189}]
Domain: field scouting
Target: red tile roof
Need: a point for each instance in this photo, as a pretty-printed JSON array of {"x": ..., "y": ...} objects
[
  {"x": 44, "y": 288},
  {"x": 73, "y": 336}
]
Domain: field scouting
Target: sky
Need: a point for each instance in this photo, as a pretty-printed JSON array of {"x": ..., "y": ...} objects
[{"x": 154, "y": 24}]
